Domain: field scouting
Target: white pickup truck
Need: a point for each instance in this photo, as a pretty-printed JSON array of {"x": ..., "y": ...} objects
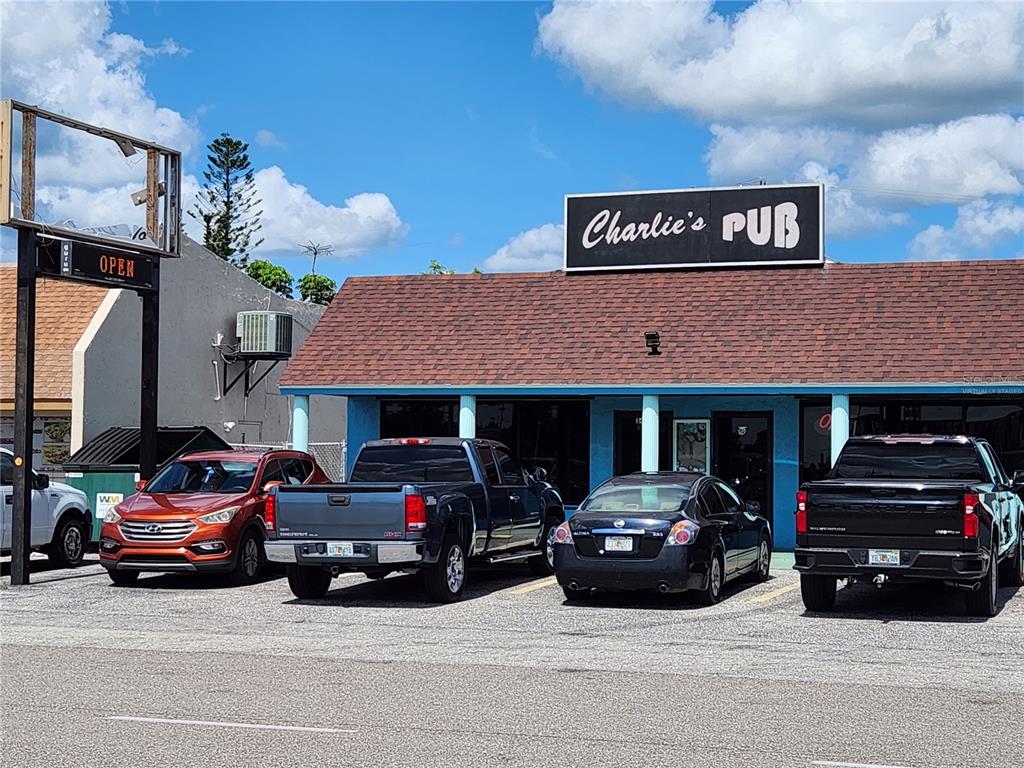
[{"x": 60, "y": 516}]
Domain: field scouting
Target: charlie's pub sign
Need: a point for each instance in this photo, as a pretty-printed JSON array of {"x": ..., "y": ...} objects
[{"x": 732, "y": 226}]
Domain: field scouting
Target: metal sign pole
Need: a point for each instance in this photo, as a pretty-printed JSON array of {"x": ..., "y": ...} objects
[
  {"x": 24, "y": 406},
  {"x": 150, "y": 376}
]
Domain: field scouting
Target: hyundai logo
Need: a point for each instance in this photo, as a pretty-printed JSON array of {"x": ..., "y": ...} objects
[
  {"x": 619, "y": 523},
  {"x": 154, "y": 528}
]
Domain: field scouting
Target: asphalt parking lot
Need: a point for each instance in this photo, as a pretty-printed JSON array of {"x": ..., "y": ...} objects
[{"x": 182, "y": 670}]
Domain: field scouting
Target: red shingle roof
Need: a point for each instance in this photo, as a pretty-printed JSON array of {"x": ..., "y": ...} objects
[{"x": 932, "y": 322}]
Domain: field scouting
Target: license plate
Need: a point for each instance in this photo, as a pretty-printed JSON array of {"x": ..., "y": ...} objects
[
  {"x": 883, "y": 557},
  {"x": 618, "y": 544},
  {"x": 339, "y": 549}
]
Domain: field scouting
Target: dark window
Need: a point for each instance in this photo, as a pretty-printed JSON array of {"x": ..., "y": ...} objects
[
  {"x": 909, "y": 461},
  {"x": 419, "y": 418},
  {"x": 294, "y": 471},
  {"x": 487, "y": 462},
  {"x": 511, "y": 472},
  {"x": 412, "y": 464},
  {"x": 552, "y": 434},
  {"x": 306, "y": 467},
  {"x": 729, "y": 498},
  {"x": 274, "y": 471},
  {"x": 204, "y": 476},
  {"x": 6, "y": 470},
  {"x": 711, "y": 501},
  {"x": 815, "y": 441}
]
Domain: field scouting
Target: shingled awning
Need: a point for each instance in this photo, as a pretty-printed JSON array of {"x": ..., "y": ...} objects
[
  {"x": 117, "y": 449},
  {"x": 934, "y": 322}
]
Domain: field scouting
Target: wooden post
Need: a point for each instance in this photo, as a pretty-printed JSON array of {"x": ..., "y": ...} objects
[
  {"x": 152, "y": 194},
  {"x": 28, "y": 166},
  {"x": 148, "y": 398}
]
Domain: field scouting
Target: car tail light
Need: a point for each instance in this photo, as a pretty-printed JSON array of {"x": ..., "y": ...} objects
[
  {"x": 270, "y": 511},
  {"x": 563, "y": 534},
  {"x": 801, "y": 511},
  {"x": 414, "y": 441},
  {"x": 971, "y": 523},
  {"x": 683, "y": 532},
  {"x": 415, "y": 513}
]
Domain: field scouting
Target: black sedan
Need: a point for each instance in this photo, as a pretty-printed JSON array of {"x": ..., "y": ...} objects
[{"x": 669, "y": 531}]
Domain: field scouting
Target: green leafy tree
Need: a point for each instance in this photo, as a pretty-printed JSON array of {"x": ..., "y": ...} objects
[
  {"x": 319, "y": 289},
  {"x": 228, "y": 206},
  {"x": 437, "y": 268},
  {"x": 272, "y": 276}
]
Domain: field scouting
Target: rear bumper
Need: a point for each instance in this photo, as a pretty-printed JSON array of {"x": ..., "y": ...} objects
[
  {"x": 914, "y": 564},
  {"x": 673, "y": 567},
  {"x": 378, "y": 554}
]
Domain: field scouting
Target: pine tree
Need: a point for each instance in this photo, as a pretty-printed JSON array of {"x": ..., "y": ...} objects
[{"x": 227, "y": 204}]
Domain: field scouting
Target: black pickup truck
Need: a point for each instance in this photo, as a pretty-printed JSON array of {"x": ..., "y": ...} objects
[
  {"x": 415, "y": 504},
  {"x": 912, "y": 507}
]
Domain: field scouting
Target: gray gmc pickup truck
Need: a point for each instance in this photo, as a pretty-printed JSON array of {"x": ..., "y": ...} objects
[{"x": 427, "y": 505}]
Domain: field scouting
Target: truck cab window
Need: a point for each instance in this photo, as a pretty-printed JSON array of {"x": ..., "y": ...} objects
[
  {"x": 511, "y": 472},
  {"x": 487, "y": 462}
]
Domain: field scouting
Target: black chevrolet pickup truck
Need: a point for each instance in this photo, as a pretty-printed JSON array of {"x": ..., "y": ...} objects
[
  {"x": 912, "y": 507},
  {"x": 427, "y": 505}
]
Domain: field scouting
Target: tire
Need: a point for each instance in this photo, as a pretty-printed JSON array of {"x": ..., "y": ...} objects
[
  {"x": 983, "y": 601},
  {"x": 308, "y": 582},
  {"x": 576, "y": 595},
  {"x": 67, "y": 549},
  {"x": 445, "y": 580},
  {"x": 1012, "y": 574},
  {"x": 248, "y": 560},
  {"x": 544, "y": 563},
  {"x": 712, "y": 592},
  {"x": 764, "y": 560},
  {"x": 123, "y": 578},
  {"x": 818, "y": 592}
]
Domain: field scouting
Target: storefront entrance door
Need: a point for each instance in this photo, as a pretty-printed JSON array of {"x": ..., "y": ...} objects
[{"x": 741, "y": 447}]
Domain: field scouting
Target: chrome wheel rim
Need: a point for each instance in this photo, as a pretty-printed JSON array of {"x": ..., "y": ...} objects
[
  {"x": 251, "y": 557},
  {"x": 456, "y": 569},
  {"x": 762, "y": 559},
  {"x": 72, "y": 543},
  {"x": 716, "y": 577},
  {"x": 549, "y": 548}
]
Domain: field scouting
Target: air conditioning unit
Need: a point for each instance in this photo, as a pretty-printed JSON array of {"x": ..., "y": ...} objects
[{"x": 264, "y": 335}]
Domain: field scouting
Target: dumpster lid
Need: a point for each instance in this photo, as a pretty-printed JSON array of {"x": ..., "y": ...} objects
[{"x": 117, "y": 449}]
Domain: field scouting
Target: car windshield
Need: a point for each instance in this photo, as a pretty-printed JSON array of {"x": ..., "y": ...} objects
[
  {"x": 204, "y": 476},
  {"x": 412, "y": 464},
  {"x": 909, "y": 461},
  {"x": 640, "y": 498}
]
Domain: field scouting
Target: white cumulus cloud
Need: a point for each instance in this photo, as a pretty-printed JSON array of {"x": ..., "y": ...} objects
[
  {"x": 268, "y": 140},
  {"x": 980, "y": 226},
  {"x": 535, "y": 250},
  {"x": 876, "y": 63},
  {"x": 291, "y": 215}
]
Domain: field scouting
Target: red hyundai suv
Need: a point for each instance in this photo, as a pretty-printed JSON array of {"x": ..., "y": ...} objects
[{"x": 202, "y": 512}]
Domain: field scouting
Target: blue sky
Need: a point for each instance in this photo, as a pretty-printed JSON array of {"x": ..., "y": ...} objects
[{"x": 470, "y": 121}]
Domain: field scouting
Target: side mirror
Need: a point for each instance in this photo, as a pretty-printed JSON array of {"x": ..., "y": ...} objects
[
  {"x": 40, "y": 482},
  {"x": 753, "y": 507},
  {"x": 540, "y": 474},
  {"x": 271, "y": 485},
  {"x": 140, "y": 485}
]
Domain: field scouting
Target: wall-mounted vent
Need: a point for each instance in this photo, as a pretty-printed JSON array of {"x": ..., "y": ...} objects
[{"x": 264, "y": 335}]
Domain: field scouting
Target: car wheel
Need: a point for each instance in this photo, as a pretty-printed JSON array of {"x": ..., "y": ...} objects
[
  {"x": 248, "y": 560},
  {"x": 544, "y": 563},
  {"x": 123, "y": 578},
  {"x": 818, "y": 592},
  {"x": 308, "y": 582},
  {"x": 576, "y": 595},
  {"x": 764, "y": 560},
  {"x": 67, "y": 549},
  {"x": 446, "y": 579},
  {"x": 712, "y": 592},
  {"x": 1013, "y": 567},
  {"x": 983, "y": 600}
]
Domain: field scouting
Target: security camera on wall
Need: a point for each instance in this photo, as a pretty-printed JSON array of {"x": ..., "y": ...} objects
[{"x": 228, "y": 426}]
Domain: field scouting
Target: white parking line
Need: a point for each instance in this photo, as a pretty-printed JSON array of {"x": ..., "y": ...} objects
[
  {"x": 854, "y": 765},
  {"x": 220, "y": 724}
]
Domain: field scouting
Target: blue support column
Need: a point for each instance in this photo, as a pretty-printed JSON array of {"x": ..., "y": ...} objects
[
  {"x": 649, "y": 434},
  {"x": 363, "y": 424},
  {"x": 840, "y": 424},
  {"x": 300, "y": 422},
  {"x": 467, "y": 416}
]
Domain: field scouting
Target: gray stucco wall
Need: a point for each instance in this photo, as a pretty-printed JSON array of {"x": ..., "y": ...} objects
[{"x": 199, "y": 298}]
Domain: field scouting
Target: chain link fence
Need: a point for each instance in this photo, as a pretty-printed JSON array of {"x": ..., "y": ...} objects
[{"x": 330, "y": 456}]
